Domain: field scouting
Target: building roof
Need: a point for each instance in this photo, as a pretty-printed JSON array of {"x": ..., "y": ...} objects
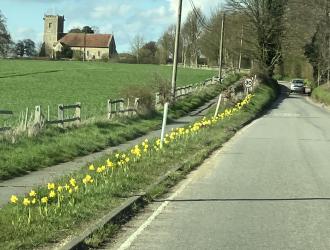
[{"x": 87, "y": 40}]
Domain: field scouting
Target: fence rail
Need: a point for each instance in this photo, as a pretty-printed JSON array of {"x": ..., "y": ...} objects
[
  {"x": 117, "y": 107},
  {"x": 61, "y": 120},
  {"x": 186, "y": 90}
]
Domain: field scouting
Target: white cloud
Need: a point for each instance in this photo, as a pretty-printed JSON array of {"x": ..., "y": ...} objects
[
  {"x": 205, "y": 5},
  {"x": 110, "y": 10}
]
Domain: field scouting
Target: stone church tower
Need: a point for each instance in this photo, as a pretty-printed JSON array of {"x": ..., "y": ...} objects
[{"x": 53, "y": 31}]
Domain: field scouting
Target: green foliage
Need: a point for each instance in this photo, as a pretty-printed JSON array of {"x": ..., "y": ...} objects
[
  {"x": 5, "y": 38},
  {"x": 322, "y": 94},
  {"x": 66, "y": 52}
]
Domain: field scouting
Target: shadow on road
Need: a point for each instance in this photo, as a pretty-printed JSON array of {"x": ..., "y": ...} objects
[{"x": 246, "y": 200}]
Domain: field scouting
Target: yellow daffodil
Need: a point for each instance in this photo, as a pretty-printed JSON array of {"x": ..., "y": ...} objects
[
  {"x": 67, "y": 187},
  {"x": 117, "y": 156},
  {"x": 26, "y": 202},
  {"x": 73, "y": 182},
  {"x": 34, "y": 201},
  {"x": 59, "y": 189},
  {"x": 52, "y": 194},
  {"x": 110, "y": 164},
  {"x": 51, "y": 186},
  {"x": 32, "y": 193},
  {"x": 91, "y": 168},
  {"x": 13, "y": 199},
  {"x": 44, "y": 199}
]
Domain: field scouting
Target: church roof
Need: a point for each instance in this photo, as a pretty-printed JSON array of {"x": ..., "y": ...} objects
[{"x": 87, "y": 40}]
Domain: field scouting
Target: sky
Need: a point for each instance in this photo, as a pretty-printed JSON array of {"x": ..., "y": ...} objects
[{"x": 122, "y": 18}]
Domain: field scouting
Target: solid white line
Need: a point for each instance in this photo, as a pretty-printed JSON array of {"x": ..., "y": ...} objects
[{"x": 134, "y": 236}]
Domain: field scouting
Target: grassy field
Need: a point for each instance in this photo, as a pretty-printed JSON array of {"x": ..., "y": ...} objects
[
  {"x": 54, "y": 145},
  {"x": 322, "y": 94},
  {"x": 93, "y": 202},
  {"x": 27, "y": 83}
]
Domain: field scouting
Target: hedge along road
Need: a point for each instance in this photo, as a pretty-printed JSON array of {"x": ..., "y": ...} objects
[
  {"x": 22, "y": 185},
  {"x": 268, "y": 188}
]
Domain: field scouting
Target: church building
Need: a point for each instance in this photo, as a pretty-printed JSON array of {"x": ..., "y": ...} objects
[{"x": 93, "y": 46}]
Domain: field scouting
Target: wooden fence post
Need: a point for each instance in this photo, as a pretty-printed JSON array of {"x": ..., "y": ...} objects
[
  {"x": 26, "y": 118},
  {"x": 77, "y": 113},
  {"x": 136, "y": 104},
  {"x": 109, "y": 107},
  {"x": 37, "y": 115},
  {"x": 60, "y": 115}
]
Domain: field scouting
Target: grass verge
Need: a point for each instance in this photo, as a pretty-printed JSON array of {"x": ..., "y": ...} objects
[
  {"x": 322, "y": 94},
  {"x": 54, "y": 145},
  {"x": 80, "y": 209}
]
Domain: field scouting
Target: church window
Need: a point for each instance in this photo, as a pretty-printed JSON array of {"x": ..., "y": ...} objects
[
  {"x": 50, "y": 25},
  {"x": 99, "y": 53}
]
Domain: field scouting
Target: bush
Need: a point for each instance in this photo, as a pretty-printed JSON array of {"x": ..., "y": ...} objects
[
  {"x": 66, "y": 52},
  {"x": 105, "y": 58},
  {"x": 145, "y": 95},
  {"x": 77, "y": 55},
  {"x": 163, "y": 87}
]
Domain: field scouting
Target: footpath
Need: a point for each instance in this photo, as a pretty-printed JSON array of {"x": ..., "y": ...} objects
[{"x": 23, "y": 184}]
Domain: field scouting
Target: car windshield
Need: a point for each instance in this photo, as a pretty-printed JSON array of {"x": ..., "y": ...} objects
[{"x": 298, "y": 81}]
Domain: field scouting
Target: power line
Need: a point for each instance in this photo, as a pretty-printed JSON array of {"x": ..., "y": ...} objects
[{"x": 200, "y": 19}]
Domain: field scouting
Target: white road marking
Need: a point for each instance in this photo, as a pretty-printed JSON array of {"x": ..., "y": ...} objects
[{"x": 134, "y": 236}]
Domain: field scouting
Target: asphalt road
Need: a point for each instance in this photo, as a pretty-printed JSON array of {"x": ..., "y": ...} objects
[{"x": 268, "y": 188}]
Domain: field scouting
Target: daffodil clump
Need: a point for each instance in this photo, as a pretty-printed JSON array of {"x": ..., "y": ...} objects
[{"x": 55, "y": 195}]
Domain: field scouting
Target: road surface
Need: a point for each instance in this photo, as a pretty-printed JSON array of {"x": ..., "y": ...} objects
[{"x": 268, "y": 188}]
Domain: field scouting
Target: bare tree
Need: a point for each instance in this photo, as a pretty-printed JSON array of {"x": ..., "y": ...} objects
[
  {"x": 266, "y": 17},
  {"x": 136, "y": 45},
  {"x": 166, "y": 44},
  {"x": 191, "y": 32}
]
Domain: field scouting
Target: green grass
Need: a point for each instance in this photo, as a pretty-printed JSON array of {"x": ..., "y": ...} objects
[
  {"x": 27, "y": 83},
  {"x": 188, "y": 153},
  {"x": 322, "y": 94},
  {"x": 54, "y": 145}
]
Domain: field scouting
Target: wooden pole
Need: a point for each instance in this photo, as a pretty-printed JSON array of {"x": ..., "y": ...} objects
[
  {"x": 176, "y": 50},
  {"x": 240, "y": 51},
  {"x": 221, "y": 46}
]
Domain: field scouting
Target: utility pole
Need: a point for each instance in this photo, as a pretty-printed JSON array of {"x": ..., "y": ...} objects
[
  {"x": 240, "y": 51},
  {"x": 328, "y": 36},
  {"x": 221, "y": 46},
  {"x": 84, "y": 57},
  {"x": 176, "y": 50}
]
